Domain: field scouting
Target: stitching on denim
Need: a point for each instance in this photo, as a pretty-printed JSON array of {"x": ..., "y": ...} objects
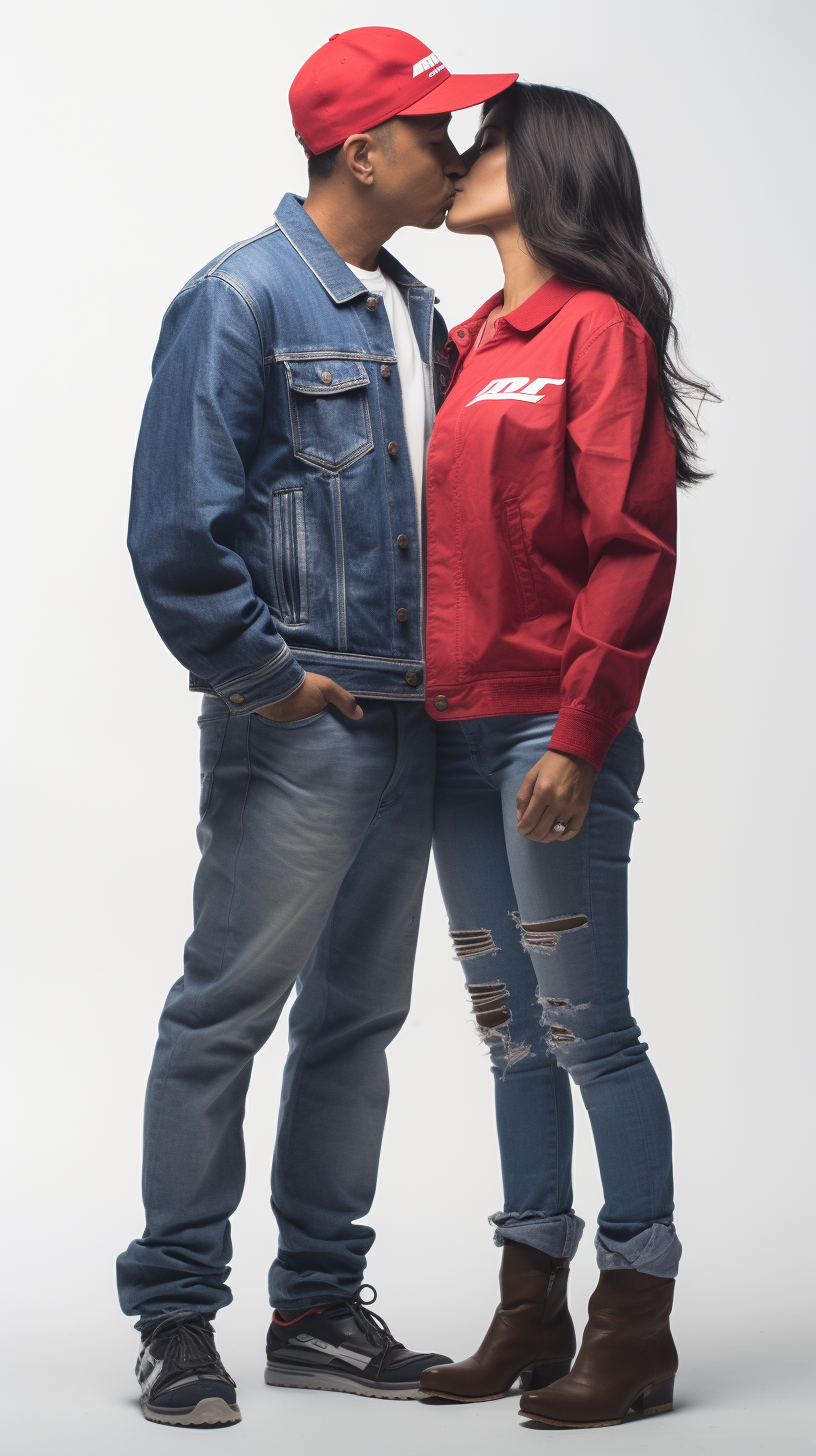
[
  {"x": 340, "y": 566},
  {"x": 327, "y": 352},
  {"x": 249, "y": 677},
  {"x": 387, "y": 498},
  {"x": 248, "y": 300},
  {"x": 343, "y": 386},
  {"x": 356, "y": 293},
  {"x": 304, "y": 1062},
  {"x": 274, "y": 227},
  {"x": 354, "y": 658}
]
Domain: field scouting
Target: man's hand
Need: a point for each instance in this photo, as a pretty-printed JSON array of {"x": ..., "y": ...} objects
[
  {"x": 557, "y": 788},
  {"x": 314, "y": 694}
]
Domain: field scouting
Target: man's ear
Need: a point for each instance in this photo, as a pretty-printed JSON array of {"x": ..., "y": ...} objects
[{"x": 357, "y": 158}]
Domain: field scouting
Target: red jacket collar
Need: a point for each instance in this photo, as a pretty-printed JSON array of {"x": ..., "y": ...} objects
[{"x": 537, "y": 310}]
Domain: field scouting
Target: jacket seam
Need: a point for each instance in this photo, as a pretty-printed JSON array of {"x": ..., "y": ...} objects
[
  {"x": 274, "y": 227},
  {"x": 603, "y": 329},
  {"x": 251, "y": 305}
]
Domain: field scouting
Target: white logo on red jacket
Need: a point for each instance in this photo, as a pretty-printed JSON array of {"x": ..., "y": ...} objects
[
  {"x": 522, "y": 388},
  {"x": 426, "y": 63}
]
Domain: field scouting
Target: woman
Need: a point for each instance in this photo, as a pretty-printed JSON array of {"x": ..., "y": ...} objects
[{"x": 551, "y": 480}]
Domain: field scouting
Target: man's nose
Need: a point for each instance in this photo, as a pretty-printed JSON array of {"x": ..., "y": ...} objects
[{"x": 453, "y": 164}]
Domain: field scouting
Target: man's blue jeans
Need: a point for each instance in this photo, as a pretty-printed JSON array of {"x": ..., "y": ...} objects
[
  {"x": 314, "y": 839},
  {"x": 565, "y": 990}
]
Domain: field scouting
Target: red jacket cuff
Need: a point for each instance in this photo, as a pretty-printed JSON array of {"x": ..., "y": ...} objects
[{"x": 584, "y": 735}]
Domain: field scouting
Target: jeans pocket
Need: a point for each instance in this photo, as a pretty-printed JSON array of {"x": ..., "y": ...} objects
[
  {"x": 213, "y": 730},
  {"x": 293, "y": 722}
]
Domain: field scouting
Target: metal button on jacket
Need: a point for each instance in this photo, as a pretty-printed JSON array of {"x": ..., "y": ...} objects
[
  {"x": 236, "y": 697},
  {"x": 403, "y": 542},
  {"x": 385, "y": 370},
  {"x": 326, "y": 377},
  {"x": 412, "y": 679},
  {"x": 393, "y": 447},
  {"x": 402, "y": 615},
  {"x": 440, "y": 703},
  {"x": 372, "y": 302}
]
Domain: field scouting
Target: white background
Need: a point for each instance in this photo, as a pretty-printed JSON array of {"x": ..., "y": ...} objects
[{"x": 144, "y": 139}]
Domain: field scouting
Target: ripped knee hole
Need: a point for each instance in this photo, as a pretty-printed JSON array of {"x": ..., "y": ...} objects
[
  {"x": 493, "y": 1017},
  {"x": 470, "y": 943},
  {"x": 545, "y": 934}
]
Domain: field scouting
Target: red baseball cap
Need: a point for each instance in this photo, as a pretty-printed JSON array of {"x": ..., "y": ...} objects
[{"x": 363, "y": 77}]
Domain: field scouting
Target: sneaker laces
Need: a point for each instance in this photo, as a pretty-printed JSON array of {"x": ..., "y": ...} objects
[
  {"x": 190, "y": 1349},
  {"x": 372, "y": 1325}
]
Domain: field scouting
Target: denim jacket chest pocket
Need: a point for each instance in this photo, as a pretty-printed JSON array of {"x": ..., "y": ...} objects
[{"x": 328, "y": 408}]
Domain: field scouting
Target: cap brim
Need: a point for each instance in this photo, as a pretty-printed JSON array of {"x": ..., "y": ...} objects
[{"x": 459, "y": 92}]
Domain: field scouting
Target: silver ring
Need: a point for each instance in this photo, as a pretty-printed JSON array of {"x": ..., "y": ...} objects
[{"x": 559, "y": 827}]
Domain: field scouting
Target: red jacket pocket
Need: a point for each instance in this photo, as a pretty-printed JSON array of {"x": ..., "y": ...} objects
[{"x": 525, "y": 580}]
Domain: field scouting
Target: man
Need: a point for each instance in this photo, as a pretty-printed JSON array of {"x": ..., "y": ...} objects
[{"x": 276, "y": 537}]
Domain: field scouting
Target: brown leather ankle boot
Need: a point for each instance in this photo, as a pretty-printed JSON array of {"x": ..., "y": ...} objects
[
  {"x": 627, "y": 1360},
  {"x": 531, "y": 1333}
]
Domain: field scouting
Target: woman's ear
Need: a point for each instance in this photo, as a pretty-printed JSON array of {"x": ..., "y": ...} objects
[{"x": 358, "y": 160}]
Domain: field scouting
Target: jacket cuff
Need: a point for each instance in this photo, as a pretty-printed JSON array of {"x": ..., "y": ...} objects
[
  {"x": 584, "y": 735},
  {"x": 276, "y": 680}
]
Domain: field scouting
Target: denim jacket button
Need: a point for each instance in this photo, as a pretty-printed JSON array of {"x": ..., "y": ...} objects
[
  {"x": 402, "y": 615},
  {"x": 393, "y": 447},
  {"x": 385, "y": 370},
  {"x": 440, "y": 703},
  {"x": 236, "y": 697},
  {"x": 403, "y": 542},
  {"x": 413, "y": 679},
  {"x": 326, "y": 377},
  {"x": 372, "y": 302}
]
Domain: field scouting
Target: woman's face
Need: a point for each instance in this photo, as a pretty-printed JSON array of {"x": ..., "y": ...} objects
[{"x": 482, "y": 202}]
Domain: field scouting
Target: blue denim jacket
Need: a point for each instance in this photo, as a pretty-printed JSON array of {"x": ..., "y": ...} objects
[{"x": 272, "y": 484}]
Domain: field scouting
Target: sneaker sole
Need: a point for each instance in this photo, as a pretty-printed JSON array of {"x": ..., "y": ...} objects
[
  {"x": 344, "y": 1384},
  {"x": 210, "y": 1412}
]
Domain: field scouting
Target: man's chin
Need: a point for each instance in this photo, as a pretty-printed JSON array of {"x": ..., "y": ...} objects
[{"x": 436, "y": 221}]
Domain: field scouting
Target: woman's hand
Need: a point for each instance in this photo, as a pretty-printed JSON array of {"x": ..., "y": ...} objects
[{"x": 556, "y": 790}]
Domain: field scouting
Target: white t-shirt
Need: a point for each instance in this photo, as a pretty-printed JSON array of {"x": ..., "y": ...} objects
[{"x": 412, "y": 377}]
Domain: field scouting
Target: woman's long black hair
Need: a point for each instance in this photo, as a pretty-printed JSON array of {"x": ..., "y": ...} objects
[{"x": 576, "y": 194}]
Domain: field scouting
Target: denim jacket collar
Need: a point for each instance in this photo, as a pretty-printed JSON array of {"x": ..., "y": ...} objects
[{"x": 326, "y": 264}]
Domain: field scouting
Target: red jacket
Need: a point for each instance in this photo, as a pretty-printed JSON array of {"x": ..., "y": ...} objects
[{"x": 551, "y": 511}]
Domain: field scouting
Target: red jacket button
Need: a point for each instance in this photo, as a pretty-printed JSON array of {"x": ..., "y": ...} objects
[{"x": 440, "y": 703}]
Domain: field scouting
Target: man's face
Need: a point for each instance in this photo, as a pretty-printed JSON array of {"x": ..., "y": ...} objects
[{"x": 415, "y": 167}]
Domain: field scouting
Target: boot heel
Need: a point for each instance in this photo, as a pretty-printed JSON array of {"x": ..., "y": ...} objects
[
  {"x": 537, "y": 1377},
  {"x": 657, "y": 1399}
]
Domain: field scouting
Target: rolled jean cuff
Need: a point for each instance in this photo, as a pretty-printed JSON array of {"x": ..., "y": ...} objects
[
  {"x": 656, "y": 1251},
  {"x": 146, "y": 1322},
  {"x": 555, "y": 1234}
]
